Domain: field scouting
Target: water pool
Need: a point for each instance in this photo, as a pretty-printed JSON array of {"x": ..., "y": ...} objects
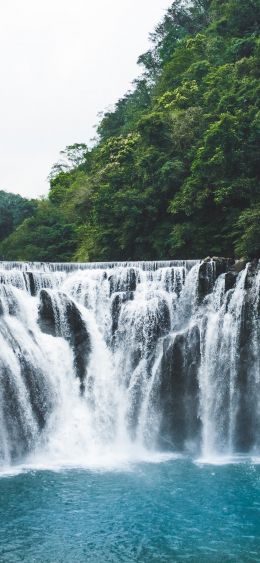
[{"x": 147, "y": 512}]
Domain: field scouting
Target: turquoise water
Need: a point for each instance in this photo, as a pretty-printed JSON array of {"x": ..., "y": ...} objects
[{"x": 172, "y": 511}]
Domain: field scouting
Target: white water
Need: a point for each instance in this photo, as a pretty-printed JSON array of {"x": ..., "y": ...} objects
[{"x": 145, "y": 323}]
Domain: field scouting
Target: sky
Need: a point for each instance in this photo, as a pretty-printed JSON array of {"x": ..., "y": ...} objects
[{"x": 61, "y": 63}]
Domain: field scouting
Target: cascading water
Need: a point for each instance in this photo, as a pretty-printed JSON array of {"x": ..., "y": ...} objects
[{"x": 102, "y": 361}]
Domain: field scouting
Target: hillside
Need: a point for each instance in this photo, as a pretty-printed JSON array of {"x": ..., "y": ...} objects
[{"x": 175, "y": 170}]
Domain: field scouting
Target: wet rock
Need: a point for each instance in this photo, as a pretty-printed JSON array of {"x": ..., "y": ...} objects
[
  {"x": 40, "y": 393},
  {"x": 127, "y": 283},
  {"x": 230, "y": 280},
  {"x": 79, "y": 339},
  {"x": 206, "y": 279},
  {"x": 46, "y": 317},
  {"x": 20, "y": 435},
  {"x": 222, "y": 265},
  {"x": 117, "y": 302},
  {"x": 66, "y": 320},
  {"x": 116, "y": 307},
  {"x": 209, "y": 271},
  {"x": 239, "y": 265},
  {"x": 246, "y": 423},
  {"x": 22, "y": 432},
  {"x": 252, "y": 271},
  {"x": 158, "y": 325},
  {"x": 31, "y": 283},
  {"x": 179, "y": 390},
  {"x": 8, "y": 301}
]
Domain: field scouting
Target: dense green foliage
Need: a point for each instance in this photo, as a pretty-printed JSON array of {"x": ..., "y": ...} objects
[
  {"x": 175, "y": 171},
  {"x": 13, "y": 210},
  {"x": 46, "y": 236}
]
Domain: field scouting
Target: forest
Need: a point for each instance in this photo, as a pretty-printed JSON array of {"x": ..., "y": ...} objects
[{"x": 174, "y": 171}]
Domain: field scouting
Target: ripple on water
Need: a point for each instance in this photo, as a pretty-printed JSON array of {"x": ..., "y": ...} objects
[{"x": 149, "y": 512}]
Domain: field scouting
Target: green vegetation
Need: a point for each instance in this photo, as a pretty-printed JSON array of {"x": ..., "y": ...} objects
[
  {"x": 13, "y": 210},
  {"x": 45, "y": 236},
  {"x": 175, "y": 171}
]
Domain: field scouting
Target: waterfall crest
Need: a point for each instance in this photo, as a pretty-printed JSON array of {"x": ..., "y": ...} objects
[{"x": 128, "y": 358}]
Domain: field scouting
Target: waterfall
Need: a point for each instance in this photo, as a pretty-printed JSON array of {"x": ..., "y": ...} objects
[{"x": 126, "y": 359}]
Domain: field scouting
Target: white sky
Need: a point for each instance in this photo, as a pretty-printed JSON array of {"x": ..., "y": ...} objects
[{"x": 62, "y": 62}]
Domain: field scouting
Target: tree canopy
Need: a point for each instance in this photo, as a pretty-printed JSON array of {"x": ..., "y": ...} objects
[
  {"x": 13, "y": 210},
  {"x": 175, "y": 170}
]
